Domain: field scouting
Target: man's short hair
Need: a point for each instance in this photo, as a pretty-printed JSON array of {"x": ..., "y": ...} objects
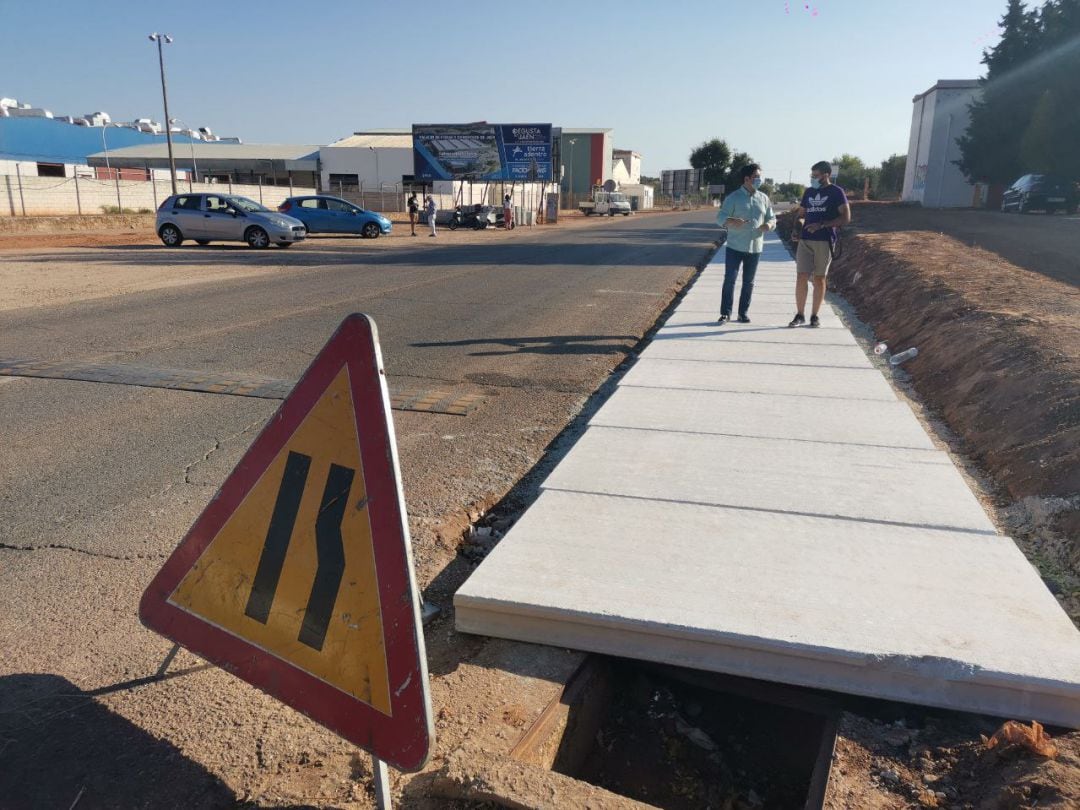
[
  {"x": 748, "y": 170},
  {"x": 822, "y": 166}
]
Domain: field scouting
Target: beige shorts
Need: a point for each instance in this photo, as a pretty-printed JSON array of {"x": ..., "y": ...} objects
[{"x": 813, "y": 257}]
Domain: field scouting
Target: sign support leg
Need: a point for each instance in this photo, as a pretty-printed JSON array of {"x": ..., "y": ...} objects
[{"x": 382, "y": 783}]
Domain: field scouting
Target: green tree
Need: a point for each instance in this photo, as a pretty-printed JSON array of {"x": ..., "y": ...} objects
[
  {"x": 891, "y": 176},
  {"x": 714, "y": 157},
  {"x": 991, "y": 147},
  {"x": 789, "y": 192}
]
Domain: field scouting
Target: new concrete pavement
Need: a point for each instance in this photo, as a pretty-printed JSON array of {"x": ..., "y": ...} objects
[{"x": 755, "y": 500}]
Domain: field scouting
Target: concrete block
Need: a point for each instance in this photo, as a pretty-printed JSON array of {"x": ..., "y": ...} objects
[
  {"x": 783, "y": 354},
  {"x": 823, "y": 384},
  {"x": 943, "y": 618},
  {"x": 757, "y": 333},
  {"x": 875, "y": 484},
  {"x": 878, "y": 423}
]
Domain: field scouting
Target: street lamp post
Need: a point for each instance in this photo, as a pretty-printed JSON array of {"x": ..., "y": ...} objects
[
  {"x": 571, "y": 141},
  {"x": 191, "y": 143},
  {"x": 108, "y": 169},
  {"x": 162, "y": 40}
]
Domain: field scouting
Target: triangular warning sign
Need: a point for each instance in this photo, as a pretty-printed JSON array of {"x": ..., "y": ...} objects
[{"x": 298, "y": 576}]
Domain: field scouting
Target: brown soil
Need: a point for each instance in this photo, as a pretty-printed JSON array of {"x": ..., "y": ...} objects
[
  {"x": 941, "y": 761},
  {"x": 999, "y": 362}
]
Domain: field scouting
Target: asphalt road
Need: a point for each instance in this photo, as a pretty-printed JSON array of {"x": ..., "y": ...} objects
[{"x": 98, "y": 482}]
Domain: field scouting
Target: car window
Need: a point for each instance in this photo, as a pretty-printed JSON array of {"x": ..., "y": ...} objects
[
  {"x": 340, "y": 206},
  {"x": 216, "y": 203},
  {"x": 244, "y": 204},
  {"x": 310, "y": 202},
  {"x": 187, "y": 203}
]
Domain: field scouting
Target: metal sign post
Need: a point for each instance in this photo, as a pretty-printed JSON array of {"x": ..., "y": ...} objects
[{"x": 382, "y": 783}]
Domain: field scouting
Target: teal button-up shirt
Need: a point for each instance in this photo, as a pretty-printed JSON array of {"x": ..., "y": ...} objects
[{"x": 756, "y": 208}]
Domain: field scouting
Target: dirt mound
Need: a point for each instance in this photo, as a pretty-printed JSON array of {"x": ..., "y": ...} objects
[
  {"x": 942, "y": 761},
  {"x": 999, "y": 361}
]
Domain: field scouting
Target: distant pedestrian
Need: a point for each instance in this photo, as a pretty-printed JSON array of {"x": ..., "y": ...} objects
[
  {"x": 414, "y": 211},
  {"x": 748, "y": 215},
  {"x": 508, "y": 212},
  {"x": 825, "y": 209},
  {"x": 430, "y": 208}
]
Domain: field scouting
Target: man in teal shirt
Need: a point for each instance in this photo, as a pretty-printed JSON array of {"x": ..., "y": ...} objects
[{"x": 748, "y": 216}]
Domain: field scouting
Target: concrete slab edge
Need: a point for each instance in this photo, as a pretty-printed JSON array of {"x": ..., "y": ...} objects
[{"x": 929, "y": 681}]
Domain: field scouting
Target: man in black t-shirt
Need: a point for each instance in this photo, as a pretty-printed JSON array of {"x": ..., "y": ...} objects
[{"x": 825, "y": 209}]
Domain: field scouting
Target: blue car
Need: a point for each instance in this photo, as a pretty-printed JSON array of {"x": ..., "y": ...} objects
[{"x": 325, "y": 214}]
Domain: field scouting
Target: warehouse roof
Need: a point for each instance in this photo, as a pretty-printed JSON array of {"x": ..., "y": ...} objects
[
  {"x": 47, "y": 140},
  {"x": 291, "y": 157},
  {"x": 377, "y": 140}
]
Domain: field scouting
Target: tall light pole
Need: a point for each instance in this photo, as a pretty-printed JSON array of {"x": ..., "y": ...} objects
[
  {"x": 571, "y": 141},
  {"x": 162, "y": 40},
  {"x": 191, "y": 143}
]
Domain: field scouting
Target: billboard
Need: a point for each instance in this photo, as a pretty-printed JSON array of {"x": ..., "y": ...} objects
[{"x": 482, "y": 152}]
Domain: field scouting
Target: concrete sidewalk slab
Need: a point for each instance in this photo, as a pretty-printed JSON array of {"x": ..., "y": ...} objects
[
  {"x": 947, "y": 619},
  {"x": 757, "y": 334},
  {"x": 852, "y": 481},
  {"x": 763, "y": 315},
  {"x": 757, "y": 501},
  {"x": 824, "y": 384},
  {"x": 797, "y": 355},
  {"x": 880, "y": 424}
]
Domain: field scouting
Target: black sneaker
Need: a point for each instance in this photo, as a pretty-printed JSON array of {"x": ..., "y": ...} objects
[
  {"x": 798, "y": 320},
  {"x": 724, "y": 319},
  {"x": 814, "y": 322},
  {"x": 743, "y": 319}
]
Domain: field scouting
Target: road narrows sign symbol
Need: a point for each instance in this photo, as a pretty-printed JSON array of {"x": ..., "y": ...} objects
[{"x": 298, "y": 575}]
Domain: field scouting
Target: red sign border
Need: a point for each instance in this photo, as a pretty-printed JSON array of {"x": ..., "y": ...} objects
[{"x": 403, "y": 739}]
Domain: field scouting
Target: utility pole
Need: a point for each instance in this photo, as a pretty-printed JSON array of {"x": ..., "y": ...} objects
[{"x": 162, "y": 40}]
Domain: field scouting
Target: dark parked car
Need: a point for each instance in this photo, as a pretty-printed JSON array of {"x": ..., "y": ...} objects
[
  {"x": 325, "y": 214},
  {"x": 1041, "y": 192}
]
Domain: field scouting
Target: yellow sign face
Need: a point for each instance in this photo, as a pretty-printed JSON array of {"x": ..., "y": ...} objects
[{"x": 292, "y": 571}]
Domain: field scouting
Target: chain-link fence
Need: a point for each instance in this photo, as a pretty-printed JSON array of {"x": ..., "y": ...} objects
[{"x": 82, "y": 195}]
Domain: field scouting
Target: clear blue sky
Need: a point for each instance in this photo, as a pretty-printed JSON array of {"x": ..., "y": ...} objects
[{"x": 789, "y": 84}]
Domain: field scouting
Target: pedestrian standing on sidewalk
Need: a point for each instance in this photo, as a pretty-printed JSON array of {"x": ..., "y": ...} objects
[
  {"x": 508, "y": 212},
  {"x": 430, "y": 208},
  {"x": 823, "y": 211},
  {"x": 414, "y": 211},
  {"x": 748, "y": 215}
]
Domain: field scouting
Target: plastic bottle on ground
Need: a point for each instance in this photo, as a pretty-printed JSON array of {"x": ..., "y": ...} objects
[{"x": 905, "y": 355}]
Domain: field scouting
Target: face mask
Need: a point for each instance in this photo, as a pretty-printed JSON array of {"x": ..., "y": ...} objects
[
  {"x": 756, "y": 182},
  {"x": 815, "y": 183}
]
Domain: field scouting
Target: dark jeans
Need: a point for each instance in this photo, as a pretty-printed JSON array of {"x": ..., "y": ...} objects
[{"x": 732, "y": 260}]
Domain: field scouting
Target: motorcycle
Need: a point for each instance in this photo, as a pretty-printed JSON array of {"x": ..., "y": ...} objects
[{"x": 477, "y": 219}]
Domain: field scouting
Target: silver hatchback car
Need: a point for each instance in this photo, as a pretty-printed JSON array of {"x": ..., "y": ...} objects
[{"x": 210, "y": 218}]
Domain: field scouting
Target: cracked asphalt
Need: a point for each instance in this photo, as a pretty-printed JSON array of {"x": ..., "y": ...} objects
[{"x": 99, "y": 482}]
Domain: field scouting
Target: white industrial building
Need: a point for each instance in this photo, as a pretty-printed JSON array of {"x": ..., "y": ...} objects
[{"x": 939, "y": 118}]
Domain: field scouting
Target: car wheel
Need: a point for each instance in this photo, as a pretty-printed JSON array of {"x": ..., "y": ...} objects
[
  {"x": 203, "y": 242},
  {"x": 284, "y": 244},
  {"x": 171, "y": 236},
  {"x": 256, "y": 237},
  {"x": 452, "y": 224},
  {"x": 370, "y": 231}
]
